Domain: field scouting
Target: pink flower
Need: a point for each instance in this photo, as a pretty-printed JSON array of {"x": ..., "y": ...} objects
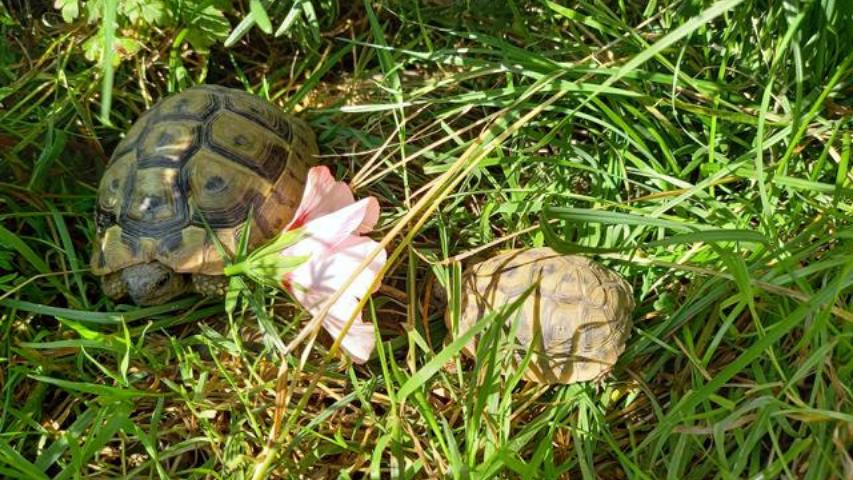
[{"x": 333, "y": 223}]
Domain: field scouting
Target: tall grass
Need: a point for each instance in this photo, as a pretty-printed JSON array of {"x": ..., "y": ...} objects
[{"x": 701, "y": 149}]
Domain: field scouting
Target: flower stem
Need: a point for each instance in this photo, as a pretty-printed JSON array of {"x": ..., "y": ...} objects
[{"x": 235, "y": 269}]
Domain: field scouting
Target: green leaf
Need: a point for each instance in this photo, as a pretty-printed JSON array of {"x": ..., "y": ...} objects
[
  {"x": 22, "y": 466},
  {"x": 278, "y": 243},
  {"x": 266, "y": 265},
  {"x": 6, "y": 258},
  {"x": 235, "y": 288},
  {"x": 95, "y": 389},
  {"x": 259, "y": 13},
  {"x": 240, "y": 30},
  {"x": 124, "y": 48},
  {"x": 699, "y": 233},
  {"x": 270, "y": 270},
  {"x": 588, "y": 215},
  {"x": 206, "y": 27},
  {"x": 106, "y": 318},
  {"x": 289, "y": 19},
  {"x": 245, "y": 235},
  {"x": 150, "y": 12},
  {"x": 70, "y": 9}
]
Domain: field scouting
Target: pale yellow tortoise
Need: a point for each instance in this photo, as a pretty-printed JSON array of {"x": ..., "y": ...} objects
[
  {"x": 578, "y": 311},
  {"x": 208, "y": 154}
]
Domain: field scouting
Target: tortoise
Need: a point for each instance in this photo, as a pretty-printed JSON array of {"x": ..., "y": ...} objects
[
  {"x": 197, "y": 162},
  {"x": 576, "y": 318}
]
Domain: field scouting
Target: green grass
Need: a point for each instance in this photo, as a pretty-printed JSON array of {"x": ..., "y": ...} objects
[{"x": 701, "y": 149}]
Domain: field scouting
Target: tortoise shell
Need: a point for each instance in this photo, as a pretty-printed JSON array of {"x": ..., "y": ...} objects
[
  {"x": 579, "y": 312},
  {"x": 209, "y": 154}
]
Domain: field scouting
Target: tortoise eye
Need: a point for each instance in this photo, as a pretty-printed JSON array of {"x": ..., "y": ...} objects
[{"x": 162, "y": 282}]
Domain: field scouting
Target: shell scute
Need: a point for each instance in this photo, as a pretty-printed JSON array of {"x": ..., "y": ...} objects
[
  {"x": 222, "y": 192},
  {"x": 113, "y": 184},
  {"x": 195, "y": 103},
  {"x": 130, "y": 140},
  {"x": 168, "y": 143},
  {"x": 596, "y": 296},
  {"x": 260, "y": 112},
  {"x": 248, "y": 143},
  {"x": 113, "y": 252},
  {"x": 156, "y": 197}
]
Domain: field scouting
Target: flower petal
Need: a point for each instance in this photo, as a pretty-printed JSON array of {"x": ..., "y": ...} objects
[
  {"x": 327, "y": 270},
  {"x": 371, "y": 215},
  {"x": 335, "y": 227},
  {"x": 359, "y": 341},
  {"x": 322, "y": 195}
]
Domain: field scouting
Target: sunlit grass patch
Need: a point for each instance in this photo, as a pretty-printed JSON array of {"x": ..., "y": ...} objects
[{"x": 701, "y": 149}]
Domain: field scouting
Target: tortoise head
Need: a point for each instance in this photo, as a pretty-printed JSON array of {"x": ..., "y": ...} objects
[{"x": 147, "y": 283}]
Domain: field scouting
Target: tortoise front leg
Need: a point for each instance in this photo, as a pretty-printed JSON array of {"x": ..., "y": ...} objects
[
  {"x": 113, "y": 285},
  {"x": 210, "y": 285}
]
